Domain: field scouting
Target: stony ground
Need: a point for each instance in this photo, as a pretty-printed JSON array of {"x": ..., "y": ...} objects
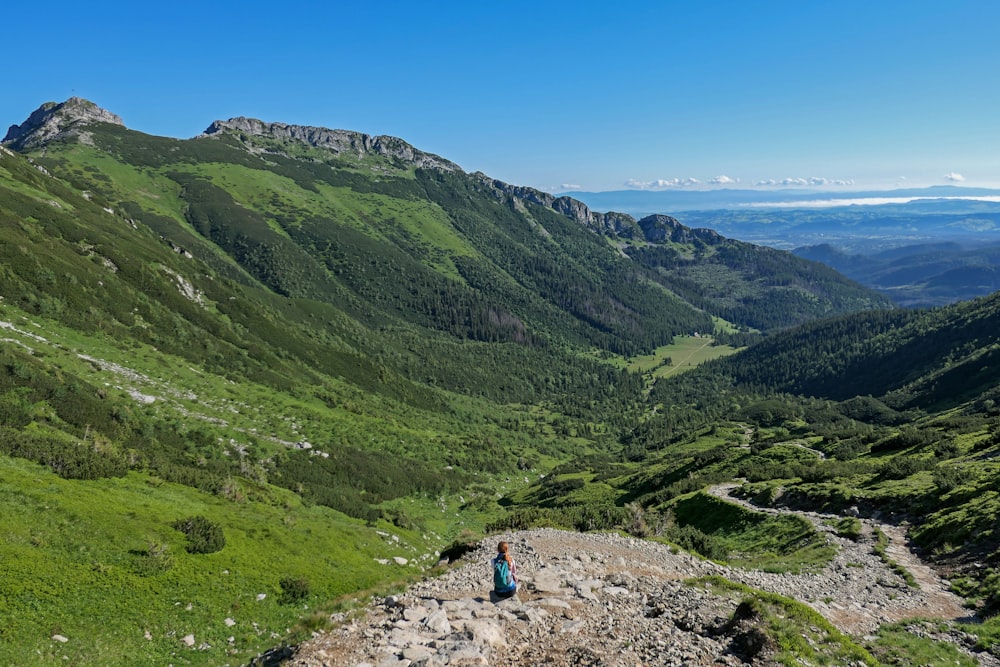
[{"x": 604, "y": 599}]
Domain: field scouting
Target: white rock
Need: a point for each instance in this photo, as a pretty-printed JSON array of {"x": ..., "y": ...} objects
[
  {"x": 438, "y": 622},
  {"x": 547, "y": 581},
  {"x": 486, "y": 632},
  {"x": 415, "y": 613},
  {"x": 188, "y": 640},
  {"x": 416, "y": 652},
  {"x": 60, "y": 638}
]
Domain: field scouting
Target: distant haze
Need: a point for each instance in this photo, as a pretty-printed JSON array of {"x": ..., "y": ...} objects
[{"x": 645, "y": 202}]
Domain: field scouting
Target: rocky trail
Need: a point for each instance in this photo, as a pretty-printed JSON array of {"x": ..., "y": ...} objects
[
  {"x": 858, "y": 591},
  {"x": 605, "y": 599}
]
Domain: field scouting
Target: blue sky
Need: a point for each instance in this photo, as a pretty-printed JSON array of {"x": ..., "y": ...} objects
[{"x": 556, "y": 95}]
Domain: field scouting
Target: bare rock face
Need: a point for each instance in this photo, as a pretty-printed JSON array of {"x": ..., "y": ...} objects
[
  {"x": 53, "y": 121},
  {"x": 617, "y": 224},
  {"x": 662, "y": 228},
  {"x": 338, "y": 141}
]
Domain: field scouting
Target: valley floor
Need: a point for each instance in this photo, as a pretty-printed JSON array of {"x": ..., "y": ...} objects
[{"x": 605, "y": 599}]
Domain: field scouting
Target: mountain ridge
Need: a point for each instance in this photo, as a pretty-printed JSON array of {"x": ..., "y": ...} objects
[
  {"x": 54, "y": 121},
  {"x": 657, "y": 246},
  {"x": 338, "y": 141}
]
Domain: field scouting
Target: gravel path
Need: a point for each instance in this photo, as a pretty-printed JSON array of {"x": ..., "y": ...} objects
[
  {"x": 605, "y": 599},
  {"x": 857, "y": 591}
]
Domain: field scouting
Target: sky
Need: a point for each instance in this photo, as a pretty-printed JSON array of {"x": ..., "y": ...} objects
[{"x": 560, "y": 96}]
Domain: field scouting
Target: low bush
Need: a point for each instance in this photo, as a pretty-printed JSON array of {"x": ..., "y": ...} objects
[
  {"x": 293, "y": 590},
  {"x": 949, "y": 477},
  {"x": 902, "y": 467},
  {"x": 204, "y": 536},
  {"x": 848, "y": 527}
]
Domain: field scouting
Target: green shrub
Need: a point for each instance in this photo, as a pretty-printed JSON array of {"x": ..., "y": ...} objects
[
  {"x": 156, "y": 559},
  {"x": 990, "y": 591},
  {"x": 204, "y": 536},
  {"x": 902, "y": 467},
  {"x": 692, "y": 539},
  {"x": 68, "y": 459},
  {"x": 848, "y": 527},
  {"x": 293, "y": 590},
  {"x": 950, "y": 477}
]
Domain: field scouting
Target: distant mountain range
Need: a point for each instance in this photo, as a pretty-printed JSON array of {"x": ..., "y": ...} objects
[
  {"x": 647, "y": 202},
  {"x": 924, "y": 274},
  {"x": 919, "y": 246}
]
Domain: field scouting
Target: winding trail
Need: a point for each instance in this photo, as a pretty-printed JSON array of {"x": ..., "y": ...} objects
[{"x": 862, "y": 591}]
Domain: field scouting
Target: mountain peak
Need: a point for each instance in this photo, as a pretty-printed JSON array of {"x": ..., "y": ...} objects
[
  {"x": 338, "y": 141},
  {"x": 55, "y": 120},
  {"x": 660, "y": 228}
]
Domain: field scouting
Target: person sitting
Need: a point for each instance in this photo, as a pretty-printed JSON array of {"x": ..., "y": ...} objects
[{"x": 504, "y": 572}]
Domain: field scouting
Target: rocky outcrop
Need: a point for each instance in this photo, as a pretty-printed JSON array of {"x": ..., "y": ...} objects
[
  {"x": 52, "y": 121},
  {"x": 583, "y": 600},
  {"x": 662, "y": 228},
  {"x": 605, "y": 599},
  {"x": 338, "y": 141},
  {"x": 611, "y": 223}
]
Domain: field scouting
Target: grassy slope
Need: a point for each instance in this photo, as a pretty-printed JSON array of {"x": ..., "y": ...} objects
[
  {"x": 76, "y": 552},
  {"x": 76, "y": 563},
  {"x": 83, "y": 558}
]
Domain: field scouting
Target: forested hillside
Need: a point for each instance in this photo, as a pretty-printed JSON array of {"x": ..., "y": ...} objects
[
  {"x": 931, "y": 360},
  {"x": 925, "y": 274},
  {"x": 311, "y": 359}
]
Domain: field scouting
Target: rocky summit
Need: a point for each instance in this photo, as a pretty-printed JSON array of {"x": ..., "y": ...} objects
[{"x": 52, "y": 121}]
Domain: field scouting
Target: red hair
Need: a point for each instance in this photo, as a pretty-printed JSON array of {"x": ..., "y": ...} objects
[{"x": 503, "y": 549}]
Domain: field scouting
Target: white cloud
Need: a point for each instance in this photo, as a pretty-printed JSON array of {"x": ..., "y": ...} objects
[
  {"x": 724, "y": 180},
  {"x": 954, "y": 177},
  {"x": 662, "y": 183},
  {"x": 815, "y": 180},
  {"x": 798, "y": 181},
  {"x": 569, "y": 186}
]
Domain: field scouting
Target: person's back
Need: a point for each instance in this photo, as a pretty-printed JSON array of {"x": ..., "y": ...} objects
[{"x": 504, "y": 572}]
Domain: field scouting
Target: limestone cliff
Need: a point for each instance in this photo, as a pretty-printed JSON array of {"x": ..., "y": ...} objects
[
  {"x": 52, "y": 121},
  {"x": 615, "y": 224},
  {"x": 338, "y": 141},
  {"x": 662, "y": 228}
]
